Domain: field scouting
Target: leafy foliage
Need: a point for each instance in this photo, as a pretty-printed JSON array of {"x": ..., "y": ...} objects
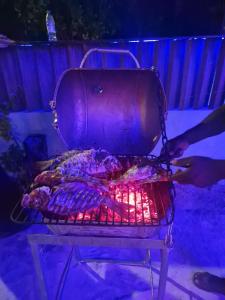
[
  {"x": 13, "y": 161},
  {"x": 90, "y": 20},
  {"x": 31, "y": 15},
  {"x": 5, "y": 126},
  {"x": 75, "y": 19},
  {"x": 93, "y": 19}
]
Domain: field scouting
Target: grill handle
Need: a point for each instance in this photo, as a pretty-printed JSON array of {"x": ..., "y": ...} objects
[{"x": 114, "y": 51}]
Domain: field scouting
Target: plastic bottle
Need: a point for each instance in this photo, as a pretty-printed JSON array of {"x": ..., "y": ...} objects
[{"x": 50, "y": 25}]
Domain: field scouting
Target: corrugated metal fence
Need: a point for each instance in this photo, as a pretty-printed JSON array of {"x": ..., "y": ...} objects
[{"x": 192, "y": 69}]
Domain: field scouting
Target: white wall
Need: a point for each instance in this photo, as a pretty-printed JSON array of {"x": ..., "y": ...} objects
[
  {"x": 25, "y": 123},
  {"x": 177, "y": 122}
]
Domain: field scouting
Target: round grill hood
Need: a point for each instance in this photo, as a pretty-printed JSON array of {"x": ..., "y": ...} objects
[{"x": 117, "y": 110}]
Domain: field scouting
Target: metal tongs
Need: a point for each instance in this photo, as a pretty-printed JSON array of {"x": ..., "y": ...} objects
[
  {"x": 166, "y": 159},
  {"x": 162, "y": 159}
]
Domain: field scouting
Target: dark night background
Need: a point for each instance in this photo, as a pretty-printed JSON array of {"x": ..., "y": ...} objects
[
  {"x": 105, "y": 19},
  {"x": 99, "y": 19}
]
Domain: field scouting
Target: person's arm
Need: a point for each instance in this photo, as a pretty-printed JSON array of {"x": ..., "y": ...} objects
[{"x": 212, "y": 125}]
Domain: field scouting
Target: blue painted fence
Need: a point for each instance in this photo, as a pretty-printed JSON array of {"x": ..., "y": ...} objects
[{"x": 192, "y": 69}]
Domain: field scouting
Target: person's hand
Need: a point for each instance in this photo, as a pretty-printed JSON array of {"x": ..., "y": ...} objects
[
  {"x": 175, "y": 147},
  {"x": 199, "y": 171}
]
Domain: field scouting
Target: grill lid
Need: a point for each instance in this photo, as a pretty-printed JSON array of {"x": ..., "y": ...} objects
[{"x": 113, "y": 109}]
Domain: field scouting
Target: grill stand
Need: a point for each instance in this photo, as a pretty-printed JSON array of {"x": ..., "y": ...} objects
[
  {"x": 75, "y": 242},
  {"x": 115, "y": 242}
]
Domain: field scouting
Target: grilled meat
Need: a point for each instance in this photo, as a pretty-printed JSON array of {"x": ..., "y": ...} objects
[
  {"x": 70, "y": 198},
  {"x": 78, "y": 197},
  {"x": 81, "y": 180},
  {"x": 48, "y": 178},
  {"x": 98, "y": 163},
  {"x": 54, "y": 178},
  {"x": 53, "y": 163},
  {"x": 38, "y": 198},
  {"x": 141, "y": 174}
]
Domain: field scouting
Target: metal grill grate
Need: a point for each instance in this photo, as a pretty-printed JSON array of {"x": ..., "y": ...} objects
[{"x": 151, "y": 204}]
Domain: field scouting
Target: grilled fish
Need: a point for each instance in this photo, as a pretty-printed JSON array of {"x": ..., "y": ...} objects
[
  {"x": 53, "y": 163},
  {"x": 38, "y": 198},
  {"x": 69, "y": 198},
  {"x": 54, "y": 178},
  {"x": 90, "y": 162},
  {"x": 48, "y": 178},
  {"x": 78, "y": 197},
  {"x": 141, "y": 174}
]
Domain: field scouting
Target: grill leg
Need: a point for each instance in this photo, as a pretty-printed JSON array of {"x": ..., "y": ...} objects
[
  {"x": 148, "y": 264},
  {"x": 64, "y": 275},
  {"x": 163, "y": 273},
  {"x": 77, "y": 254},
  {"x": 37, "y": 266}
]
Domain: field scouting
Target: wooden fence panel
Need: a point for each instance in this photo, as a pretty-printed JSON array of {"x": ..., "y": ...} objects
[{"x": 192, "y": 70}]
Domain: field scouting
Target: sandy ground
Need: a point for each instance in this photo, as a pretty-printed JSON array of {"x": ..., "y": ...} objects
[{"x": 199, "y": 234}]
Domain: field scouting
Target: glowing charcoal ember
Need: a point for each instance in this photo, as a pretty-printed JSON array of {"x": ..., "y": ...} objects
[
  {"x": 147, "y": 207},
  {"x": 131, "y": 199},
  {"x": 80, "y": 217},
  {"x": 142, "y": 207}
]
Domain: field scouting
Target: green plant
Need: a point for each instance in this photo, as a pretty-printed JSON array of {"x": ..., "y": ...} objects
[
  {"x": 5, "y": 125},
  {"x": 75, "y": 19},
  {"x": 13, "y": 160}
]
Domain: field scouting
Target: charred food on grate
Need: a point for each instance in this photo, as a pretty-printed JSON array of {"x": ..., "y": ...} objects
[{"x": 81, "y": 180}]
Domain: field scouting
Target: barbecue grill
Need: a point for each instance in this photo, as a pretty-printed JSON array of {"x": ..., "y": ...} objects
[{"x": 123, "y": 112}]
